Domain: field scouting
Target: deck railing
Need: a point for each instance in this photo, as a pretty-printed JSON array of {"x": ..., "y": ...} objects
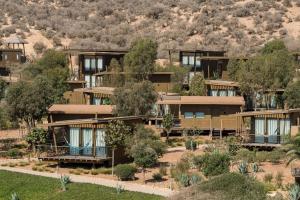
[
  {"x": 264, "y": 139},
  {"x": 52, "y": 151}
]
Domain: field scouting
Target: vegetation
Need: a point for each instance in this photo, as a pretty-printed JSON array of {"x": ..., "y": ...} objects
[
  {"x": 64, "y": 180},
  {"x": 197, "y": 86},
  {"x": 125, "y": 172},
  {"x": 168, "y": 123},
  {"x": 14, "y": 153},
  {"x": 31, "y": 187},
  {"x": 292, "y": 94},
  {"x": 36, "y": 137},
  {"x": 116, "y": 133},
  {"x": 212, "y": 164},
  {"x": 137, "y": 99},
  {"x": 140, "y": 60},
  {"x": 191, "y": 144},
  {"x": 229, "y": 186}
]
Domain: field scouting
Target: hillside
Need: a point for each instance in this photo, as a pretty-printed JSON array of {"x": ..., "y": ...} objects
[{"x": 240, "y": 27}]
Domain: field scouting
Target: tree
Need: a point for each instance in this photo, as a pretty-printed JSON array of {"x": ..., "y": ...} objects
[
  {"x": 3, "y": 86},
  {"x": 136, "y": 99},
  {"x": 116, "y": 79},
  {"x": 145, "y": 147},
  {"x": 168, "y": 123},
  {"x": 292, "y": 94},
  {"x": 140, "y": 60},
  {"x": 116, "y": 133},
  {"x": 272, "y": 46},
  {"x": 29, "y": 101},
  {"x": 36, "y": 137},
  {"x": 293, "y": 149},
  {"x": 197, "y": 86}
]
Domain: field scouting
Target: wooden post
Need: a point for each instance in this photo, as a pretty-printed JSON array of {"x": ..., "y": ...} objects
[
  {"x": 55, "y": 143},
  {"x": 210, "y": 127},
  {"x": 94, "y": 141},
  {"x": 170, "y": 57},
  {"x": 208, "y": 72},
  {"x": 221, "y": 129},
  {"x": 265, "y": 127}
]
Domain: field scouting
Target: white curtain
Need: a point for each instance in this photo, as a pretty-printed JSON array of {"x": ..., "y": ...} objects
[
  {"x": 285, "y": 126},
  {"x": 214, "y": 93},
  {"x": 185, "y": 60},
  {"x": 97, "y": 101},
  {"x": 198, "y": 62},
  {"x": 100, "y": 64},
  {"x": 273, "y": 101},
  {"x": 272, "y": 131},
  {"x": 87, "y": 141},
  {"x": 231, "y": 93},
  {"x": 100, "y": 143},
  {"x": 87, "y": 64},
  {"x": 93, "y": 81},
  {"x": 74, "y": 141},
  {"x": 191, "y": 60},
  {"x": 93, "y": 64},
  {"x": 166, "y": 109},
  {"x": 259, "y": 130},
  {"x": 87, "y": 79},
  {"x": 223, "y": 93}
]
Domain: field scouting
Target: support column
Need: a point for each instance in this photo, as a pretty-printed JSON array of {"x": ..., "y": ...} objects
[{"x": 94, "y": 141}]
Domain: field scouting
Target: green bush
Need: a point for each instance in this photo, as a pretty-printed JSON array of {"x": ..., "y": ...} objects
[
  {"x": 195, "y": 179},
  {"x": 184, "y": 180},
  {"x": 268, "y": 178},
  {"x": 103, "y": 170},
  {"x": 246, "y": 155},
  {"x": 261, "y": 156},
  {"x": 163, "y": 170},
  {"x": 212, "y": 164},
  {"x": 157, "y": 177},
  {"x": 14, "y": 153},
  {"x": 190, "y": 144},
  {"x": 125, "y": 172},
  {"x": 275, "y": 156}
]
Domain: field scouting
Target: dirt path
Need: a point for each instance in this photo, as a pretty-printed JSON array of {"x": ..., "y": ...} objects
[{"x": 100, "y": 181}]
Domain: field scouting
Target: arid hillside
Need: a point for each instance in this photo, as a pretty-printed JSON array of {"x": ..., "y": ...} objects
[{"x": 239, "y": 26}]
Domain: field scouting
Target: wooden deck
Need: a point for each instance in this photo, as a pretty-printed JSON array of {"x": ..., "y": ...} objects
[
  {"x": 261, "y": 145},
  {"x": 75, "y": 159}
]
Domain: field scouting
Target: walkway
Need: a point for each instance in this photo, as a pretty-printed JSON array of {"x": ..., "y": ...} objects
[{"x": 100, "y": 181}]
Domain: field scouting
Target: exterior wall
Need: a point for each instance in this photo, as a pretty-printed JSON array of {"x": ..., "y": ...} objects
[
  {"x": 10, "y": 57},
  {"x": 161, "y": 82},
  {"x": 62, "y": 117},
  {"x": 75, "y": 97}
]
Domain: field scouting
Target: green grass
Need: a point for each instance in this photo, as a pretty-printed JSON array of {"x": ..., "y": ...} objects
[{"x": 29, "y": 187}]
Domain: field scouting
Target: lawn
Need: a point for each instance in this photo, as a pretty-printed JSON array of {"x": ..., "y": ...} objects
[{"x": 29, "y": 187}]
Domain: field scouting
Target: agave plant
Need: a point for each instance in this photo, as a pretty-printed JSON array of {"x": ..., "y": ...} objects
[
  {"x": 255, "y": 167},
  {"x": 243, "y": 168},
  {"x": 64, "y": 180},
  {"x": 294, "y": 192},
  {"x": 14, "y": 196},
  {"x": 119, "y": 188}
]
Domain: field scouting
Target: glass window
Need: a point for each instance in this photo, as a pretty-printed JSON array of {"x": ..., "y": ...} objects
[
  {"x": 96, "y": 101},
  {"x": 100, "y": 64},
  {"x": 93, "y": 64},
  {"x": 87, "y": 64},
  {"x": 5, "y": 56},
  {"x": 93, "y": 81},
  {"x": 18, "y": 56},
  {"x": 191, "y": 60},
  {"x": 188, "y": 115},
  {"x": 185, "y": 60},
  {"x": 198, "y": 62},
  {"x": 87, "y": 78},
  {"x": 199, "y": 115}
]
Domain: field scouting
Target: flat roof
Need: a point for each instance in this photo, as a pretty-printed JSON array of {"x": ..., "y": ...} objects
[
  {"x": 80, "y": 109},
  {"x": 14, "y": 40},
  {"x": 91, "y": 121},
  {"x": 97, "y": 51},
  {"x": 202, "y": 100},
  {"x": 223, "y": 83},
  {"x": 154, "y": 73},
  {"x": 103, "y": 90},
  {"x": 268, "y": 112},
  {"x": 195, "y": 50}
]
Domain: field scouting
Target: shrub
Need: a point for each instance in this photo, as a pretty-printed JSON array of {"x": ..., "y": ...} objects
[
  {"x": 195, "y": 178},
  {"x": 294, "y": 192},
  {"x": 243, "y": 168},
  {"x": 184, "y": 180},
  {"x": 261, "y": 156},
  {"x": 64, "y": 180},
  {"x": 125, "y": 171},
  {"x": 104, "y": 170},
  {"x": 268, "y": 177},
  {"x": 39, "y": 47},
  {"x": 157, "y": 177},
  {"x": 279, "y": 179},
  {"x": 23, "y": 163},
  {"x": 255, "y": 167},
  {"x": 214, "y": 164},
  {"x": 12, "y": 164},
  {"x": 14, "y": 153},
  {"x": 246, "y": 155},
  {"x": 275, "y": 156},
  {"x": 190, "y": 144},
  {"x": 94, "y": 172}
]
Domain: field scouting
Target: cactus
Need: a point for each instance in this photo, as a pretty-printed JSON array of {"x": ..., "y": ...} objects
[
  {"x": 14, "y": 196},
  {"x": 255, "y": 167},
  {"x": 243, "y": 168},
  {"x": 64, "y": 180},
  {"x": 294, "y": 192}
]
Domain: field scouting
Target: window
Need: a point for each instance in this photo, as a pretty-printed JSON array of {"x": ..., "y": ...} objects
[
  {"x": 185, "y": 60},
  {"x": 87, "y": 64},
  {"x": 100, "y": 64},
  {"x": 96, "y": 101},
  {"x": 93, "y": 64},
  {"x": 191, "y": 60},
  {"x": 87, "y": 78},
  {"x": 93, "y": 81},
  {"x": 198, "y": 62},
  {"x": 199, "y": 115},
  {"x": 188, "y": 115},
  {"x": 18, "y": 56},
  {"x": 5, "y": 56}
]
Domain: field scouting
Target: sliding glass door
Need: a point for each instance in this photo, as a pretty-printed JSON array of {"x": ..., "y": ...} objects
[
  {"x": 74, "y": 141},
  {"x": 100, "y": 143},
  {"x": 87, "y": 136}
]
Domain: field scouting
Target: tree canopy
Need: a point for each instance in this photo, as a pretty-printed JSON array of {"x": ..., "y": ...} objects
[
  {"x": 197, "y": 86},
  {"x": 136, "y": 99},
  {"x": 140, "y": 60},
  {"x": 272, "y": 46},
  {"x": 292, "y": 95}
]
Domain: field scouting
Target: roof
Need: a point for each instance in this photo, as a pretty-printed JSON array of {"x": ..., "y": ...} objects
[
  {"x": 222, "y": 83},
  {"x": 14, "y": 40},
  {"x": 195, "y": 50},
  {"x": 153, "y": 73},
  {"x": 202, "y": 100},
  {"x": 268, "y": 112},
  {"x": 97, "y": 51},
  {"x": 80, "y": 109},
  {"x": 102, "y": 90},
  {"x": 91, "y": 121}
]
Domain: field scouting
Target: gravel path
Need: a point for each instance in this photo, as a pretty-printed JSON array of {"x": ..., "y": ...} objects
[{"x": 100, "y": 181}]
